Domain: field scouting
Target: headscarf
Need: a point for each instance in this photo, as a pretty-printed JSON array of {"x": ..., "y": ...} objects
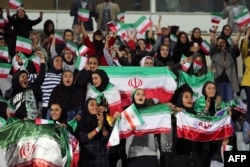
[
  {"x": 142, "y": 62},
  {"x": 105, "y": 79},
  {"x": 138, "y": 106},
  {"x": 52, "y": 68}
]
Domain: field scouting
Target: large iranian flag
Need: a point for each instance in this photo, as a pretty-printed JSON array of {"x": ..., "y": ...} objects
[
  {"x": 15, "y": 3},
  {"x": 203, "y": 128},
  {"x": 158, "y": 82},
  {"x": 142, "y": 24},
  {"x": 156, "y": 118},
  {"x": 195, "y": 82},
  {"x": 5, "y": 70},
  {"x": 27, "y": 144},
  {"x": 23, "y": 45}
]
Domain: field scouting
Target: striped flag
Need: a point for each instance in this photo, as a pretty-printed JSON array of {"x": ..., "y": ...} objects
[
  {"x": 197, "y": 65},
  {"x": 216, "y": 17},
  {"x": 3, "y": 22},
  {"x": 4, "y": 53},
  {"x": 205, "y": 46},
  {"x": 59, "y": 37},
  {"x": 225, "y": 148},
  {"x": 83, "y": 14},
  {"x": 23, "y": 45},
  {"x": 5, "y": 70},
  {"x": 83, "y": 50},
  {"x": 114, "y": 26},
  {"x": 157, "y": 82},
  {"x": 126, "y": 30},
  {"x": 44, "y": 145},
  {"x": 15, "y": 3},
  {"x": 121, "y": 16},
  {"x": 80, "y": 62},
  {"x": 186, "y": 65},
  {"x": 242, "y": 18},
  {"x": 132, "y": 116},
  {"x": 142, "y": 24},
  {"x": 173, "y": 38},
  {"x": 157, "y": 119},
  {"x": 39, "y": 121},
  {"x": 196, "y": 83},
  {"x": 24, "y": 59},
  {"x": 71, "y": 46},
  {"x": 203, "y": 128},
  {"x": 36, "y": 61}
]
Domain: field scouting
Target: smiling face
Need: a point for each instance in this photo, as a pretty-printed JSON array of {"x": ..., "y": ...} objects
[
  {"x": 93, "y": 107},
  {"x": 93, "y": 64},
  {"x": 197, "y": 33},
  {"x": 55, "y": 112},
  {"x": 97, "y": 81},
  {"x": 67, "y": 78},
  {"x": 164, "y": 51},
  {"x": 58, "y": 63},
  {"x": 149, "y": 62},
  {"x": 139, "y": 96},
  {"x": 210, "y": 90},
  {"x": 23, "y": 80},
  {"x": 187, "y": 99},
  {"x": 141, "y": 44}
]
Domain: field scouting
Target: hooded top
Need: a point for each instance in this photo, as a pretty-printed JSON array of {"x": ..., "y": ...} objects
[{"x": 68, "y": 97}]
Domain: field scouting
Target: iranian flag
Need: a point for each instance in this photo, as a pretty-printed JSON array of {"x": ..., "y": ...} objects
[
  {"x": 121, "y": 16},
  {"x": 173, "y": 37},
  {"x": 127, "y": 30},
  {"x": 142, "y": 24},
  {"x": 24, "y": 59},
  {"x": 203, "y": 128},
  {"x": 83, "y": 50},
  {"x": 80, "y": 62},
  {"x": 196, "y": 83},
  {"x": 11, "y": 109},
  {"x": 197, "y": 65},
  {"x": 5, "y": 70},
  {"x": 83, "y": 14},
  {"x": 39, "y": 121},
  {"x": 242, "y": 18},
  {"x": 43, "y": 145},
  {"x": 15, "y": 3},
  {"x": 157, "y": 82},
  {"x": 71, "y": 46},
  {"x": 216, "y": 17},
  {"x": 3, "y": 22},
  {"x": 59, "y": 37},
  {"x": 132, "y": 116},
  {"x": 23, "y": 45},
  {"x": 4, "y": 53},
  {"x": 114, "y": 26},
  {"x": 156, "y": 118},
  {"x": 186, "y": 65},
  {"x": 36, "y": 61},
  {"x": 205, "y": 46}
]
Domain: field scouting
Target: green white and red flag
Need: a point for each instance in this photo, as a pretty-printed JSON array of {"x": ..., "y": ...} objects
[
  {"x": 195, "y": 82},
  {"x": 15, "y": 3},
  {"x": 156, "y": 118},
  {"x": 114, "y": 26},
  {"x": 83, "y": 50},
  {"x": 23, "y": 45},
  {"x": 203, "y": 128},
  {"x": 5, "y": 70},
  {"x": 39, "y": 121},
  {"x": 133, "y": 117},
  {"x": 216, "y": 17},
  {"x": 11, "y": 109},
  {"x": 80, "y": 62},
  {"x": 173, "y": 37},
  {"x": 197, "y": 65},
  {"x": 36, "y": 61},
  {"x": 3, "y": 22},
  {"x": 142, "y": 24},
  {"x": 59, "y": 37},
  {"x": 242, "y": 18},
  {"x": 71, "y": 46},
  {"x": 4, "y": 53},
  {"x": 121, "y": 16},
  {"x": 43, "y": 145},
  {"x": 205, "y": 46},
  {"x": 83, "y": 14},
  {"x": 186, "y": 65},
  {"x": 127, "y": 30},
  {"x": 157, "y": 82}
]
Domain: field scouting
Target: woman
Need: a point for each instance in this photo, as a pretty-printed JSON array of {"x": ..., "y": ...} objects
[
  {"x": 147, "y": 61},
  {"x": 51, "y": 80},
  {"x": 93, "y": 134},
  {"x": 182, "y": 47},
  {"x": 68, "y": 60},
  {"x": 187, "y": 152},
  {"x": 68, "y": 96},
  {"x": 163, "y": 57},
  {"x": 142, "y": 151}
]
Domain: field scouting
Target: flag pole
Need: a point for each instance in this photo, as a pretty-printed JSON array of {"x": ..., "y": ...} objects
[{"x": 56, "y": 14}]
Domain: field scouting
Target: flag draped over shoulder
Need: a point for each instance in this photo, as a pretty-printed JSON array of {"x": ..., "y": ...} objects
[
  {"x": 35, "y": 145},
  {"x": 203, "y": 128},
  {"x": 157, "y": 82},
  {"x": 195, "y": 82},
  {"x": 157, "y": 119}
]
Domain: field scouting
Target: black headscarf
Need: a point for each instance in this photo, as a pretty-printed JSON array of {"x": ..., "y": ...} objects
[
  {"x": 181, "y": 48},
  {"x": 15, "y": 85},
  {"x": 138, "y": 106},
  {"x": 63, "y": 117},
  {"x": 52, "y": 68},
  {"x": 104, "y": 78}
]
